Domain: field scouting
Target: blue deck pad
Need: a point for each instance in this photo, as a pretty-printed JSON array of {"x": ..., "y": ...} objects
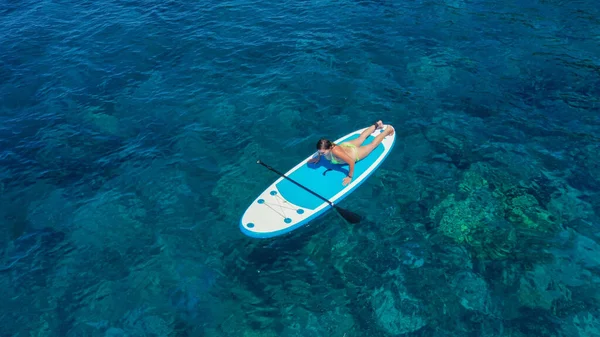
[{"x": 326, "y": 185}]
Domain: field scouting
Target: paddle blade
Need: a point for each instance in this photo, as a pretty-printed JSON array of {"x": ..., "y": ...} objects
[{"x": 351, "y": 217}]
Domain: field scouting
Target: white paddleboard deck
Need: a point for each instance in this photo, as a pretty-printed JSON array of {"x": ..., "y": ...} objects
[{"x": 285, "y": 206}]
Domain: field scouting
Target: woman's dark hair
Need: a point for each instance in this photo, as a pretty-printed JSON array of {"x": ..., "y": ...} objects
[{"x": 324, "y": 144}]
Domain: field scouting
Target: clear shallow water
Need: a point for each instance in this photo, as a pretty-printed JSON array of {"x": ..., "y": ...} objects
[{"x": 129, "y": 133}]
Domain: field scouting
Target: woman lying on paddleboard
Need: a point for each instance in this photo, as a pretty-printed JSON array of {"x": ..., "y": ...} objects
[{"x": 351, "y": 151}]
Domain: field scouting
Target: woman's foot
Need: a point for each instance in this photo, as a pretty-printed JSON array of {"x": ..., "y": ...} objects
[
  {"x": 378, "y": 125},
  {"x": 389, "y": 130}
]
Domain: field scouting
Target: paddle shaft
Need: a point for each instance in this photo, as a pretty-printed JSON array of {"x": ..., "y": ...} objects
[{"x": 295, "y": 182}]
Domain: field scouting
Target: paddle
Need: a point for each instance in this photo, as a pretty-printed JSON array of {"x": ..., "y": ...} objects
[{"x": 346, "y": 214}]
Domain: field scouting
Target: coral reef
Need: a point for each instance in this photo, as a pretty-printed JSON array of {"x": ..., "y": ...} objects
[{"x": 397, "y": 314}]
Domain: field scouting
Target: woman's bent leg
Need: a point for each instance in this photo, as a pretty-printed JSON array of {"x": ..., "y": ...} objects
[{"x": 364, "y": 151}]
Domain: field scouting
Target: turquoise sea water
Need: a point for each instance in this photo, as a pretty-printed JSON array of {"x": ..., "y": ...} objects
[{"x": 129, "y": 134}]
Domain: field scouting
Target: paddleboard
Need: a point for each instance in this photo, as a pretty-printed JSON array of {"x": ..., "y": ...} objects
[{"x": 284, "y": 206}]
